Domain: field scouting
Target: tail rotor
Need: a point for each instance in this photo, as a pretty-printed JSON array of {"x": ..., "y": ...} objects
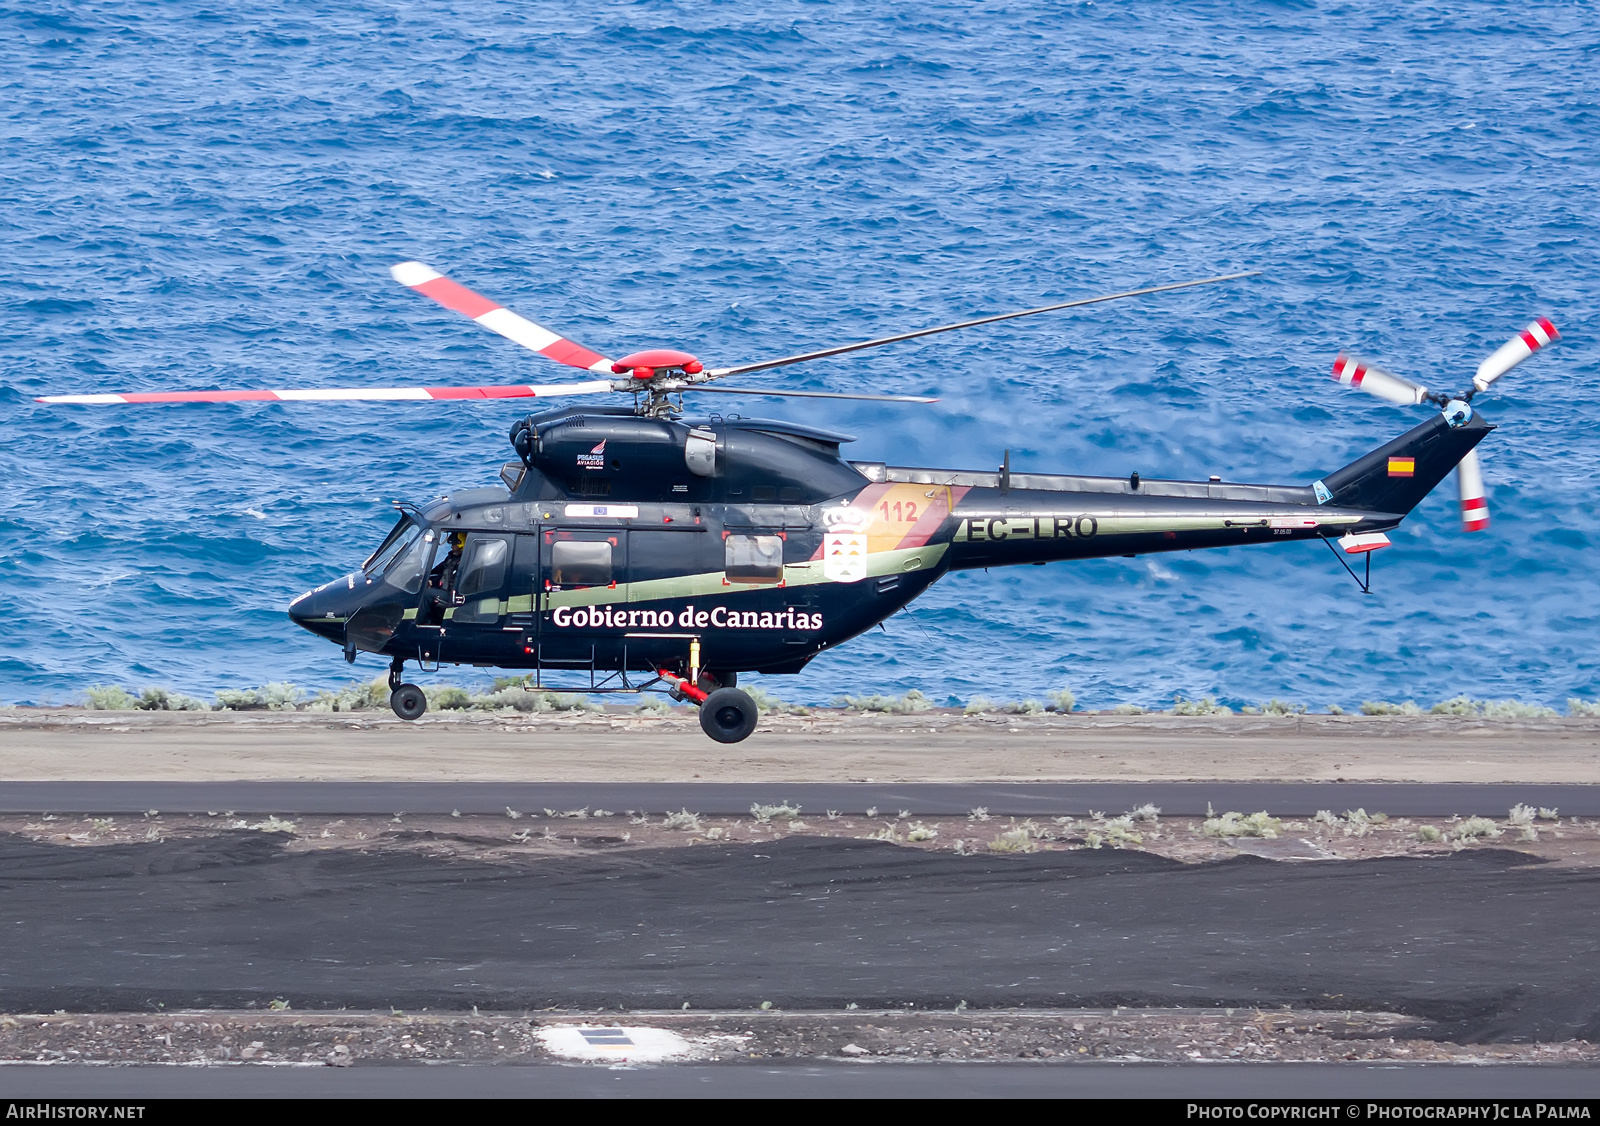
[{"x": 1352, "y": 372}]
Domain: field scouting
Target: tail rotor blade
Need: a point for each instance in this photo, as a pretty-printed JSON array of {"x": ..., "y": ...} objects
[
  {"x": 338, "y": 394},
  {"x": 1474, "y": 508},
  {"x": 459, "y": 299},
  {"x": 1375, "y": 381},
  {"x": 1540, "y": 333}
]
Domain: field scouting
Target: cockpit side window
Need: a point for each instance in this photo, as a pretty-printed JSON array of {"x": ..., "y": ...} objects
[
  {"x": 482, "y": 572},
  {"x": 484, "y": 565}
]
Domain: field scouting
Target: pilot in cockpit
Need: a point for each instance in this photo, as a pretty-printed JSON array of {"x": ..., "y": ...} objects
[{"x": 443, "y": 576}]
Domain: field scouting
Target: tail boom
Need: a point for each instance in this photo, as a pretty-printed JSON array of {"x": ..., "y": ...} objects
[{"x": 1000, "y": 519}]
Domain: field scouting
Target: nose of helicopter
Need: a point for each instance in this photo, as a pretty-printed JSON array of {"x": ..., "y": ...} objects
[{"x": 324, "y": 610}]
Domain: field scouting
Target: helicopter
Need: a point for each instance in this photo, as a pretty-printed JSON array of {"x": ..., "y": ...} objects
[{"x": 648, "y": 550}]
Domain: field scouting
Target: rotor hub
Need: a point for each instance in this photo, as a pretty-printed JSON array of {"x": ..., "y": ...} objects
[{"x": 653, "y": 361}]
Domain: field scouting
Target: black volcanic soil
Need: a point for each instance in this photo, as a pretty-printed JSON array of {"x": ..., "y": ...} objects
[{"x": 1476, "y": 945}]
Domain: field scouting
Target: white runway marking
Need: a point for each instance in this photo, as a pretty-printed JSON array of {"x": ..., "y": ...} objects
[{"x": 630, "y": 1044}]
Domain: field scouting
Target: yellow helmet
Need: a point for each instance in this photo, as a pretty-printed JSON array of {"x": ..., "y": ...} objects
[{"x": 458, "y": 540}]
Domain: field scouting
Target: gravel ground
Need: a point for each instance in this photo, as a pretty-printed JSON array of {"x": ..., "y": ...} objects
[
  {"x": 826, "y": 745},
  {"x": 1061, "y": 1036},
  {"x": 521, "y": 837}
]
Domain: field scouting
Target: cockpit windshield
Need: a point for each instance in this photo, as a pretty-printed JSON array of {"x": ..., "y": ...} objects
[
  {"x": 400, "y": 537},
  {"x": 410, "y": 561},
  {"x": 401, "y": 558}
]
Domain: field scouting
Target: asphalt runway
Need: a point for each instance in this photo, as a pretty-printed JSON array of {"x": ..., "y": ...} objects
[
  {"x": 1341, "y": 1084},
  {"x": 1181, "y": 799},
  {"x": 1482, "y": 945}
]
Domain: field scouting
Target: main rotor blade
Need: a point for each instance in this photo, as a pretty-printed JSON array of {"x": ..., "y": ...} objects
[
  {"x": 1375, "y": 381},
  {"x": 1469, "y": 481},
  {"x": 1514, "y": 351},
  {"x": 824, "y": 353},
  {"x": 338, "y": 394},
  {"x": 812, "y": 394},
  {"x": 458, "y": 298}
]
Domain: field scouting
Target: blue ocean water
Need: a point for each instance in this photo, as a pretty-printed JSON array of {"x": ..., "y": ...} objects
[{"x": 201, "y": 196}]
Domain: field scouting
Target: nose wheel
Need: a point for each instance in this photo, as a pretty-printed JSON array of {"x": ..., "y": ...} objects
[{"x": 408, "y": 701}]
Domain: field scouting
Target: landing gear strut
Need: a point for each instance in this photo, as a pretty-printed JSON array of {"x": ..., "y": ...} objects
[
  {"x": 407, "y": 700},
  {"x": 713, "y": 679}
]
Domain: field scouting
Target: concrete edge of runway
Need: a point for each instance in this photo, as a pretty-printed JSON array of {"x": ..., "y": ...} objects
[
  {"x": 1179, "y": 799},
  {"x": 1341, "y": 1083}
]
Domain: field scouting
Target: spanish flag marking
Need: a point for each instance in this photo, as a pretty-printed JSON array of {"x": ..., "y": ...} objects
[{"x": 1402, "y": 466}]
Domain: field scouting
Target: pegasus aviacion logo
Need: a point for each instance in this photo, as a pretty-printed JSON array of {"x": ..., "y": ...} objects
[{"x": 594, "y": 459}]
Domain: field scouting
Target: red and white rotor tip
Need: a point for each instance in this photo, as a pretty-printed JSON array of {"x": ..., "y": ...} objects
[
  {"x": 1352, "y": 372},
  {"x": 336, "y": 394},
  {"x": 459, "y": 299},
  {"x": 1469, "y": 480},
  {"x": 1540, "y": 333}
]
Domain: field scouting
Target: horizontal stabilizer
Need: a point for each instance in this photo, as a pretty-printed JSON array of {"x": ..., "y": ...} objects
[{"x": 1353, "y": 544}]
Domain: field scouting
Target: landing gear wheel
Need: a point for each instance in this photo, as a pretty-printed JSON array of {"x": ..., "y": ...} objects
[
  {"x": 728, "y": 715},
  {"x": 408, "y": 701}
]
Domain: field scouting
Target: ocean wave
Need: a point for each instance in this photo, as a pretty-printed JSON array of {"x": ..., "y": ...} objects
[{"x": 209, "y": 201}]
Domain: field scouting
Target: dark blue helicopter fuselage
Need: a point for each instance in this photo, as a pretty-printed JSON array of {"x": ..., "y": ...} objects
[{"x": 621, "y": 540}]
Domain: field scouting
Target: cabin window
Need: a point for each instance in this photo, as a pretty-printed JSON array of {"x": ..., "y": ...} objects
[
  {"x": 656, "y": 553},
  {"x": 580, "y": 563},
  {"x": 753, "y": 559}
]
